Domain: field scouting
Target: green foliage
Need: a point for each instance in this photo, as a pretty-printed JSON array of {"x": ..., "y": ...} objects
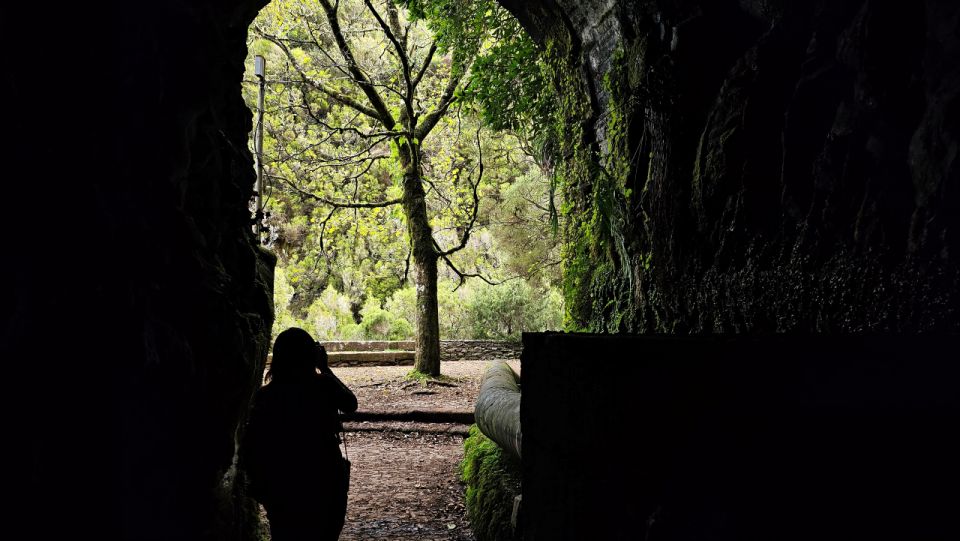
[
  {"x": 502, "y": 312},
  {"x": 381, "y": 287},
  {"x": 282, "y": 295},
  {"x": 460, "y": 27},
  {"x": 481, "y": 311},
  {"x": 319, "y": 147},
  {"x": 506, "y": 83},
  {"x": 330, "y": 317},
  {"x": 493, "y": 481},
  {"x": 379, "y": 324},
  {"x": 474, "y": 311},
  {"x": 509, "y": 83},
  {"x": 343, "y": 272},
  {"x": 520, "y": 228}
]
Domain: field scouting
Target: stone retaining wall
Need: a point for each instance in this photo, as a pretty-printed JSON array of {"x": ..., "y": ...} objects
[
  {"x": 478, "y": 350},
  {"x": 369, "y": 345},
  {"x": 354, "y": 353}
]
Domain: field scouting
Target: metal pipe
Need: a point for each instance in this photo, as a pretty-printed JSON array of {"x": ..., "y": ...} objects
[{"x": 497, "y": 411}]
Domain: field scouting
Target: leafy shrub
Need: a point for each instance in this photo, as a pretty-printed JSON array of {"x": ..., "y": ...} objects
[
  {"x": 503, "y": 311},
  {"x": 379, "y": 324},
  {"x": 403, "y": 304},
  {"x": 282, "y": 295},
  {"x": 474, "y": 311},
  {"x": 330, "y": 317},
  {"x": 453, "y": 319}
]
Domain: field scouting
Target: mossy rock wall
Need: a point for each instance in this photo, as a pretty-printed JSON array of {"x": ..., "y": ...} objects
[
  {"x": 493, "y": 482},
  {"x": 756, "y": 166}
]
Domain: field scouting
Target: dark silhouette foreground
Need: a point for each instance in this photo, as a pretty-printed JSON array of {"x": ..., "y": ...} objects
[{"x": 291, "y": 447}]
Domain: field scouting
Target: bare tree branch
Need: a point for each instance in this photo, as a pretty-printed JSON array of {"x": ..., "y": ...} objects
[
  {"x": 464, "y": 275},
  {"x": 476, "y": 205},
  {"x": 426, "y": 64},
  {"x": 434, "y": 116},
  {"x": 401, "y": 52},
  {"x": 334, "y": 94},
  {"x": 338, "y": 204},
  {"x": 323, "y": 228},
  {"x": 361, "y": 79},
  {"x": 323, "y": 50}
]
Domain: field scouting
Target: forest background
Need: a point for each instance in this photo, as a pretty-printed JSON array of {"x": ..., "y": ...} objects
[{"x": 344, "y": 256}]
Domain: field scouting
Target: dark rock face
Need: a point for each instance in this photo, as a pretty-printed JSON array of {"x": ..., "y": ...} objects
[
  {"x": 137, "y": 307},
  {"x": 739, "y": 438},
  {"x": 759, "y": 166}
]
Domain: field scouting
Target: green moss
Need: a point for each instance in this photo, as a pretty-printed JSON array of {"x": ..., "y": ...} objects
[
  {"x": 416, "y": 375},
  {"x": 574, "y": 175},
  {"x": 493, "y": 482},
  {"x": 602, "y": 261}
]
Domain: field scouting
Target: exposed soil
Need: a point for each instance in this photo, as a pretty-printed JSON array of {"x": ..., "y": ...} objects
[
  {"x": 405, "y": 483},
  {"x": 385, "y": 388},
  {"x": 405, "y": 486}
]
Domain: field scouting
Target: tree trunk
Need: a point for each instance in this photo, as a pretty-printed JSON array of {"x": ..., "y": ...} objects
[{"x": 425, "y": 274}]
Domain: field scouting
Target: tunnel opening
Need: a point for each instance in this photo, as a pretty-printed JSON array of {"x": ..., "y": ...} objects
[
  {"x": 359, "y": 110},
  {"x": 814, "y": 195}
]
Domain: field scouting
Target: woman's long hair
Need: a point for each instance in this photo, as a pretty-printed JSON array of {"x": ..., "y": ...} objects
[{"x": 294, "y": 356}]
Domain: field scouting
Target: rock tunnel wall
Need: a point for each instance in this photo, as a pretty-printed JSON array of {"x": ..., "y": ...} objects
[
  {"x": 734, "y": 166},
  {"x": 733, "y": 437},
  {"x": 756, "y": 166},
  {"x": 137, "y": 307}
]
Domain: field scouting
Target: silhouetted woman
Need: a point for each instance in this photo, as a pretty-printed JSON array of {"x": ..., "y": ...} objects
[{"x": 291, "y": 448}]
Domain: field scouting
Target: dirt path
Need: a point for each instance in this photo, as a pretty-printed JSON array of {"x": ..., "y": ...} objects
[
  {"x": 405, "y": 482},
  {"x": 405, "y": 486}
]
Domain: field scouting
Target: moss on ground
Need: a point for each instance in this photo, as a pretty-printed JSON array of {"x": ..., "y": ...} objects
[
  {"x": 416, "y": 375},
  {"x": 493, "y": 482}
]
